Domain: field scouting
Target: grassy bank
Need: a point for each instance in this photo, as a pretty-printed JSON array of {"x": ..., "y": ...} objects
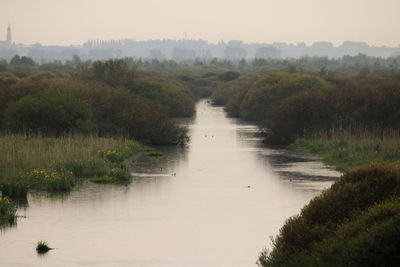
[
  {"x": 54, "y": 164},
  {"x": 346, "y": 152}
]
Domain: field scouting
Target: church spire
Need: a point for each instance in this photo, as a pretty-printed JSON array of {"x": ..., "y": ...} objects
[{"x": 9, "y": 40}]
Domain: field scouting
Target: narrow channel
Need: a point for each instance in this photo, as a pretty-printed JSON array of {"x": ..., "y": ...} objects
[{"x": 216, "y": 202}]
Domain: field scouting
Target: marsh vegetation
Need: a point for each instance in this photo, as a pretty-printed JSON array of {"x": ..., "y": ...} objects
[{"x": 62, "y": 123}]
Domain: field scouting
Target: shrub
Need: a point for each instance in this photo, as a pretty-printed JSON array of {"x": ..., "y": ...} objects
[
  {"x": 42, "y": 247},
  {"x": 50, "y": 113},
  {"x": 370, "y": 239},
  {"x": 354, "y": 193},
  {"x": 356, "y": 106},
  {"x": 118, "y": 112},
  {"x": 228, "y": 76},
  {"x": 258, "y": 101}
]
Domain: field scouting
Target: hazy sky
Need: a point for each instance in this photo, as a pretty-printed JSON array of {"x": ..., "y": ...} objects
[{"x": 74, "y": 21}]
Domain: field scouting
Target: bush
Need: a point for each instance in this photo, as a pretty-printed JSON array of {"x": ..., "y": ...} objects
[
  {"x": 50, "y": 113},
  {"x": 42, "y": 247},
  {"x": 357, "y": 107},
  {"x": 258, "y": 101},
  {"x": 118, "y": 112},
  {"x": 7, "y": 79},
  {"x": 228, "y": 76},
  {"x": 354, "y": 193},
  {"x": 370, "y": 239},
  {"x": 173, "y": 98}
]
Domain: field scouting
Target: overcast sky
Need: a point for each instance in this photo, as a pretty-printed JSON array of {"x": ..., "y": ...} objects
[{"x": 66, "y": 22}]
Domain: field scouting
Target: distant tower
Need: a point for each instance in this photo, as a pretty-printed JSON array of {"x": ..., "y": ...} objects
[{"x": 9, "y": 34}]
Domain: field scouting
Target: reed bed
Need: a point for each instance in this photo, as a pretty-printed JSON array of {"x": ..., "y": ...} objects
[
  {"x": 22, "y": 153},
  {"x": 344, "y": 150}
]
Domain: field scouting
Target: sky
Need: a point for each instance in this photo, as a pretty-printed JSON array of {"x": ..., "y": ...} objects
[{"x": 73, "y": 22}]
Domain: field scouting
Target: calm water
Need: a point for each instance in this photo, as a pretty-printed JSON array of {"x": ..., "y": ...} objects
[{"x": 214, "y": 203}]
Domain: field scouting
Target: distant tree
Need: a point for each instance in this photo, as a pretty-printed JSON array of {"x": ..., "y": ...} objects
[
  {"x": 3, "y": 65},
  {"x": 23, "y": 61},
  {"x": 114, "y": 72},
  {"x": 322, "y": 71},
  {"x": 15, "y": 60},
  {"x": 76, "y": 60},
  {"x": 242, "y": 63}
]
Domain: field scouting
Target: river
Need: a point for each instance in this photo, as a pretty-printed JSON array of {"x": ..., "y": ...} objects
[{"x": 215, "y": 202}]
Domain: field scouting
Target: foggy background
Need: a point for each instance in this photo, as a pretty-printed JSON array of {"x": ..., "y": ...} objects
[{"x": 65, "y": 22}]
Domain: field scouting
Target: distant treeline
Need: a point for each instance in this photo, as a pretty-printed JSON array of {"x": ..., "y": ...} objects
[{"x": 360, "y": 65}]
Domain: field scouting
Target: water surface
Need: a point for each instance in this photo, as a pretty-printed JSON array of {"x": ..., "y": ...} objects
[{"x": 213, "y": 203}]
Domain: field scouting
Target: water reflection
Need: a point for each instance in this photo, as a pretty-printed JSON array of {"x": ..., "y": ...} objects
[{"x": 213, "y": 203}]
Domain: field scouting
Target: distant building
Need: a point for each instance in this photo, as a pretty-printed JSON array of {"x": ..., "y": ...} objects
[{"x": 9, "y": 40}]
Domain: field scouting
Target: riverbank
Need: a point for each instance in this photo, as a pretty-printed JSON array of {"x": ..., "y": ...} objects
[
  {"x": 347, "y": 152},
  {"x": 55, "y": 164}
]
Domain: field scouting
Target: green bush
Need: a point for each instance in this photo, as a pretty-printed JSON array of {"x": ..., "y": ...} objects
[
  {"x": 118, "y": 112},
  {"x": 49, "y": 113},
  {"x": 370, "y": 239},
  {"x": 257, "y": 102},
  {"x": 228, "y": 76},
  {"x": 171, "y": 96},
  {"x": 353, "y": 194},
  {"x": 358, "y": 106},
  {"x": 42, "y": 247}
]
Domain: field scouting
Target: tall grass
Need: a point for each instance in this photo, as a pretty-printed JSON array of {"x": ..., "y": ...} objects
[
  {"x": 21, "y": 153},
  {"x": 8, "y": 212},
  {"x": 345, "y": 150}
]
